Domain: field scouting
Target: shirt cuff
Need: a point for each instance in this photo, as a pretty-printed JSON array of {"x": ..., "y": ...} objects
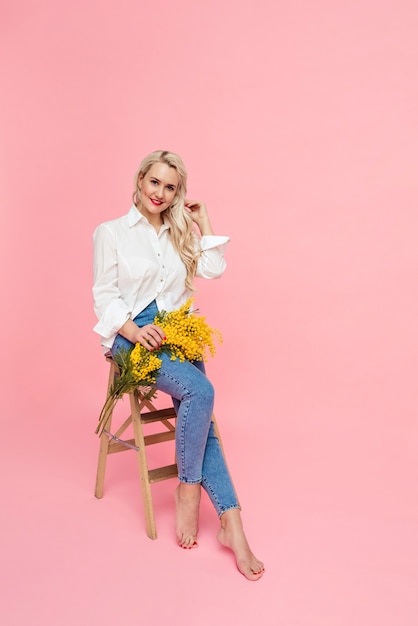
[
  {"x": 212, "y": 241},
  {"x": 112, "y": 320}
]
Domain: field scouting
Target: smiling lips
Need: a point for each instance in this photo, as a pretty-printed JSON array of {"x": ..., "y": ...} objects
[{"x": 156, "y": 202}]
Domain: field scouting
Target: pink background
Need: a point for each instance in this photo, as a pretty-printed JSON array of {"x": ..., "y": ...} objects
[{"x": 298, "y": 122}]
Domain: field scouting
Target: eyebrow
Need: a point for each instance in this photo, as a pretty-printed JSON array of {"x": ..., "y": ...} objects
[{"x": 156, "y": 178}]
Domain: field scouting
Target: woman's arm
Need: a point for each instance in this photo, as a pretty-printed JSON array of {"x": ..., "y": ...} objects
[
  {"x": 111, "y": 309},
  {"x": 212, "y": 247},
  {"x": 113, "y": 312}
]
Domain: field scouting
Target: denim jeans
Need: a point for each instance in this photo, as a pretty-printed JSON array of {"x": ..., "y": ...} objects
[{"x": 199, "y": 455}]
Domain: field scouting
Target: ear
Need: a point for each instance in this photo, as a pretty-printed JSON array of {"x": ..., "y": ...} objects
[{"x": 140, "y": 179}]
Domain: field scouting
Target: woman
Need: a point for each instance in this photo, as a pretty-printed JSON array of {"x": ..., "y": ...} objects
[{"x": 146, "y": 261}]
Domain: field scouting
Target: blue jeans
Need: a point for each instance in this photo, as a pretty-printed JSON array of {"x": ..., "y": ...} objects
[{"x": 199, "y": 455}]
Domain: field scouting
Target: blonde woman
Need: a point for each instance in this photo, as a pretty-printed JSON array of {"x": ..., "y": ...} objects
[{"x": 146, "y": 261}]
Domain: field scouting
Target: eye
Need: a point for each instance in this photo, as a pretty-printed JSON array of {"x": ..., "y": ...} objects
[
  {"x": 154, "y": 182},
  {"x": 170, "y": 187}
]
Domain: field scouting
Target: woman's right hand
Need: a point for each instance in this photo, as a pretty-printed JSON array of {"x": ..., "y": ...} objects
[{"x": 150, "y": 336}]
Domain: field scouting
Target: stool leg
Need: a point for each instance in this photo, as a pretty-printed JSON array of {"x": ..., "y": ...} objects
[
  {"x": 101, "y": 466},
  {"x": 143, "y": 467},
  {"x": 104, "y": 445}
]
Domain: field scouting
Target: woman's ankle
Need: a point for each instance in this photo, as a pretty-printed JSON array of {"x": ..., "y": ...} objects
[
  {"x": 189, "y": 493},
  {"x": 231, "y": 518}
]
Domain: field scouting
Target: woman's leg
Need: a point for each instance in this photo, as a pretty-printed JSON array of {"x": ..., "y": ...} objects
[
  {"x": 217, "y": 482},
  {"x": 193, "y": 396},
  {"x": 218, "y": 485},
  {"x": 232, "y": 536},
  {"x": 215, "y": 479}
]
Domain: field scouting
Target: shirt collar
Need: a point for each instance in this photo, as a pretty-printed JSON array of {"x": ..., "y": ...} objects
[{"x": 134, "y": 216}]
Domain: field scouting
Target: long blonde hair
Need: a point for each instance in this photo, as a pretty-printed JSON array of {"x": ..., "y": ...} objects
[{"x": 182, "y": 233}]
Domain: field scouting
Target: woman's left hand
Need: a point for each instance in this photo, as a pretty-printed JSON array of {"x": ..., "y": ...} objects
[
  {"x": 196, "y": 209},
  {"x": 199, "y": 214}
]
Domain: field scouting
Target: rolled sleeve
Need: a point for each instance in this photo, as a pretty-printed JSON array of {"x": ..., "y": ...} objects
[
  {"x": 113, "y": 318},
  {"x": 212, "y": 262}
]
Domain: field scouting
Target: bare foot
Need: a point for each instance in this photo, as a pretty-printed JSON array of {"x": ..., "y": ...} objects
[
  {"x": 231, "y": 535},
  {"x": 187, "y": 499}
]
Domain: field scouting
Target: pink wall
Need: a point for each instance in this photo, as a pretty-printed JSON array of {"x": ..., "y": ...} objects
[{"x": 299, "y": 125}]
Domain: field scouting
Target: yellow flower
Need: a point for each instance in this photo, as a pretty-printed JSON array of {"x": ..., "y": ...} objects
[
  {"x": 144, "y": 365},
  {"x": 187, "y": 334}
]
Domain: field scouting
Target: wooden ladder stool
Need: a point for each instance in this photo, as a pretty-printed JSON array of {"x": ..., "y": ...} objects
[{"x": 142, "y": 413}]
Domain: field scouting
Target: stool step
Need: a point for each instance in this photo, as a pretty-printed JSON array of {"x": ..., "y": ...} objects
[
  {"x": 168, "y": 435},
  {"x": 158, "y": 416},
  {"x": 162, "y": 473}
]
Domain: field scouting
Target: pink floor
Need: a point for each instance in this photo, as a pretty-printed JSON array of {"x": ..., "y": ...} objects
[{"x": 335, "y": 523}]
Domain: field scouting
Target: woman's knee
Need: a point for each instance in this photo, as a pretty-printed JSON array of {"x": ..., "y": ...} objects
[
  {"x": 183, "y": 379},
  {"x": 199, "y": 390},
  {"x": 206, "y": 389}
]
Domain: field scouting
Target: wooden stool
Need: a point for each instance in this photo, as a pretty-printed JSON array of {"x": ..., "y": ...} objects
[{"x": 142, "y": 413}]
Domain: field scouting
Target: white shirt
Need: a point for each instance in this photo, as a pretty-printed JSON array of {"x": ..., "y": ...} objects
[{"x": 133, "y": 265}]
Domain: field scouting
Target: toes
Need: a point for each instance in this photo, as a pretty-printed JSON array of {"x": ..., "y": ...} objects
[
  {"x": 188, "y": 544},
  {"x": 252, "y": 570},
  {"x": 258, "y": 569},
  {"x": 250, "y": 575},
  {"x": 255, "y": 575}
]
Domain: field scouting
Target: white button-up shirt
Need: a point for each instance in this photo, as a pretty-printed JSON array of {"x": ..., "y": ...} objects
[{"x": 133, "y": 265}]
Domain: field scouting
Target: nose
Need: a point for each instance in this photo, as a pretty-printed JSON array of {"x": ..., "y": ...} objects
[{"x": 159, "y": 192}]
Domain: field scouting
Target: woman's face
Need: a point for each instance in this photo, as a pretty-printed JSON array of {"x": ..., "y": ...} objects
[{"x": 158, "y": 188}]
